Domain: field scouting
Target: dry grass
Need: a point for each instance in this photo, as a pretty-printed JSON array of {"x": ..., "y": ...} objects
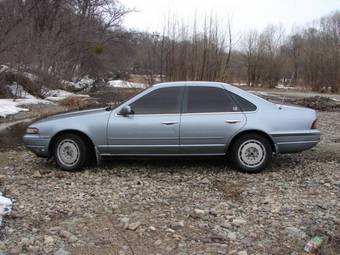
[
  {"x": 137, "y": 78},
  {"x": 73, "y": 102}
]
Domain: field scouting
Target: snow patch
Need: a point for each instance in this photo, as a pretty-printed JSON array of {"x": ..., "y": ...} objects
[
  {"x": 56, "y": 95},
  {"x": 282, "y": 86},
  {"x": 126, "y": 84},
  {"x": 3, "y": 68},
  {"x": 81, "y": 84},
  {"x": 5, "y": 207},
  {"x": 18, "y": 91},
  {"x": 11, "y": 106}
]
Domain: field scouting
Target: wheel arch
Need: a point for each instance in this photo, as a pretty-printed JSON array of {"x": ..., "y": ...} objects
[
  {"x": 81, "y": 134},
  {"x": 252, "y": 131}
]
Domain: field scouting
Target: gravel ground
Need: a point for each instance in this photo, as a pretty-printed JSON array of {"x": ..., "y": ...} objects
[{"x": 178, "y": 206}]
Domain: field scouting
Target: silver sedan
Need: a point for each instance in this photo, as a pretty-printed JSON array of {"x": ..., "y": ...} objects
[{"x": 178, "y": 119}]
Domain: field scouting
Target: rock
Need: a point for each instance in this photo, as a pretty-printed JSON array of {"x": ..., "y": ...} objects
[
  {"x": 242, "y": 253},
  {"x": 177, "y": 225},
  {"x": 226, "y": 224},
  {"x": 239, "y": 221},
  {"x": 25, "y": 241},
  {"x": 152, "y": 228},
  {"x": 68, "y": 236},
  {"x": 125, "y": 222},
  {"x": 61, "y": 251},
  {"x": 54, "y": 230},
  {"x": 72, "y": 239},
  {"x": 158, "y": 242},
  {"x": 37, "y": 174},
  {"x": 2, "y": 178},
  {"x": 198, "y": 213},
  {"x": 231, "y": 236},
  {"x": 134, "y": 226},
  {"x": 48, "y": 240},
  {"x": 15, "y": 250},
  {"x": 170, "y": 230},
  {"x": 295, "y": 232}
]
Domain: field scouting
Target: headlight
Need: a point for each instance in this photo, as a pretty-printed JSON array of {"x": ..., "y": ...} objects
[{"x": 32, "y": 130}]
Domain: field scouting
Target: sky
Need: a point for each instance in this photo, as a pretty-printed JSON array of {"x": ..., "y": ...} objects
[{"x": 150, "y": 15}]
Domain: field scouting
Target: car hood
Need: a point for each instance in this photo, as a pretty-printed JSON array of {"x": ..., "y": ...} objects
[{"x": 72, "y": 114}]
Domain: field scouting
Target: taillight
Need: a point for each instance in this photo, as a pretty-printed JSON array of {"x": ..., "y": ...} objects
[{"x": 315, "y": 124}]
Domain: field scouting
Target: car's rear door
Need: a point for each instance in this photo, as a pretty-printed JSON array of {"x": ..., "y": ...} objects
[
  {"x": 153, "y": 129},
  {"x": 210, "y": 118}
]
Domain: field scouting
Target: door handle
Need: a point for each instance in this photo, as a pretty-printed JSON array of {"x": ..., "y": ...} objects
[
  {"x": 168, "y": 123},
  {"x": 232, "y": 121}
]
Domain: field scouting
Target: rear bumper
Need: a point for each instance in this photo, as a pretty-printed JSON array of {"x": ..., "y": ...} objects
[
  {"x": 295, "y": 142},
  {"x": 37, "y": 144}
]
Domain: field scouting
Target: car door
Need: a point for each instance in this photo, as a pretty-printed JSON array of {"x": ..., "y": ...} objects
[
  {"x": 153, "y": 128},
  {"x": 209, "y": 120}
]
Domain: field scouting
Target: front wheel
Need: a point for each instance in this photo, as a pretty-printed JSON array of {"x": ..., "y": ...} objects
[
  {"x": 251, "y": 153},
  {"x": 70, "y": 152}
]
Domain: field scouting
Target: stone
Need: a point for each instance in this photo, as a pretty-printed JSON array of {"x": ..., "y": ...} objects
[
  {"x": 25, "y": 241},
  {"x": 177, "y": 225},
  {"x": 48, "y": 240},
  {"x": 61, "y": 251},
  {"x": 158, "y": 242},
  {"x": 36, "y": 174},
  {"x": 226, "y": 224},
  {"x": 295, "y": 232},
  {"x": 239, "y": 221},
  {"x": 242, "y": 253},
  {"x": 134, "y": 226},
  {"x": 231, "y": 236},
  {"x": 125, "y": 222},
  {"x": 198, "y": 213},
  {"x": 72, "y": 239},
  {"x": 68, "y": 236}
]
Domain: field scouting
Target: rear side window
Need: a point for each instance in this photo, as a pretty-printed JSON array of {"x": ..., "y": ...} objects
[
  {"x": 208, "y": 99},
  {"x": 244, "y": 104},
  {"x": 159, "y": 101}
]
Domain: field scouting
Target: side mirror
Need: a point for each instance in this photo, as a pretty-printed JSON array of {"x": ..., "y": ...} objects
[{"x": 125, "y": 111}]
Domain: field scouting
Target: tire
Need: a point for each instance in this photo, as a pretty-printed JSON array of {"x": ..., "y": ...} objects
[
  {"x": 70, "y": 152},
  {"x": 251, "y": 153}
]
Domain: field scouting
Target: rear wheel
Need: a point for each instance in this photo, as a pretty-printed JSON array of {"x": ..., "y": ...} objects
[
  {"x": 70, "y": 152},
  {"x": 251, "y": 153}
]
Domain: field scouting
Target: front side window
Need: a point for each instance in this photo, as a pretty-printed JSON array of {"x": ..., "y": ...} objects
[
  {"x": 208, "y": 99},
  {"x": 159, "y": 101}
]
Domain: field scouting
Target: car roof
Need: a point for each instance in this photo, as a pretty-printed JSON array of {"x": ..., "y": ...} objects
[
  {"x": 176, "y": 83},
  {"x": 249, "y": 96}
]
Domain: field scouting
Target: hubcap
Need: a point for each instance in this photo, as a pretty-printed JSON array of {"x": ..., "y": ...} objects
[
  {"x": 252, "y": 153},
  {"x": 68, "y": 152}
]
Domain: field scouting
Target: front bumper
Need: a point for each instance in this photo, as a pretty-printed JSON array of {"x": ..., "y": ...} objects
[
  {"x": 296, "y": 142},
  {"x": 37, "y": 144}
]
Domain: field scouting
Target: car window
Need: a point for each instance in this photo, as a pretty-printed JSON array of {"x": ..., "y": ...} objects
[
  {"x": 244, "y": 104},
  {"x": 208, "y": 99},
  {"x": 159, "y": 101}
]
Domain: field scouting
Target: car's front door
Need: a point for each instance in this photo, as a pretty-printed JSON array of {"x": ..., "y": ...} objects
[
  {"x": 152, "y": 129},
  {"x": 209, "y": 120}
]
